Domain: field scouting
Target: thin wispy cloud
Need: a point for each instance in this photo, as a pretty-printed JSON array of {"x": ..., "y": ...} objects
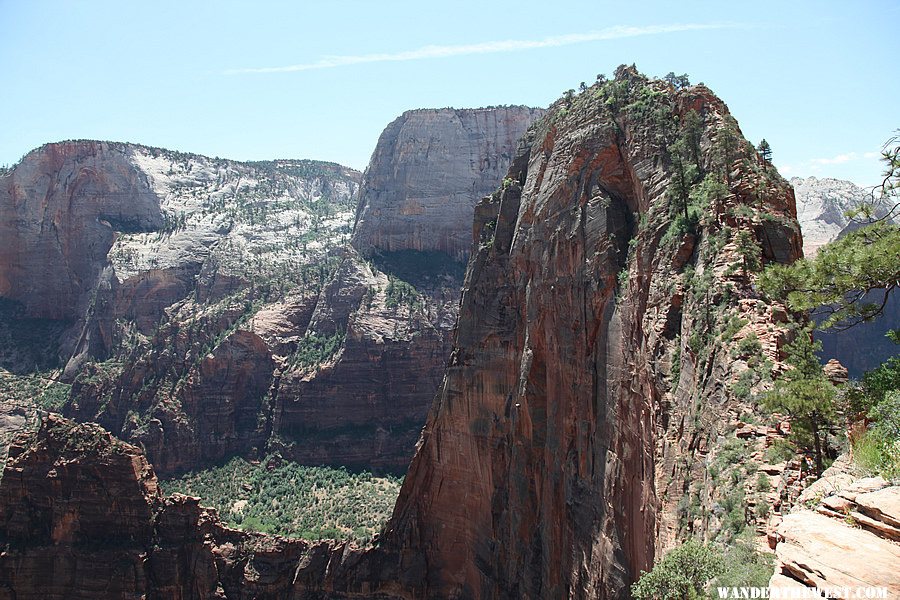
[
  {"x": 430, "y": 52},
  {"x": 834, "y": 160},
  {"x": 844, "y": 158}
]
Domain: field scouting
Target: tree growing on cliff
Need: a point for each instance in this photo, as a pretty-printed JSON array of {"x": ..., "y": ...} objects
[
  {"x": 693, "y": 134},
  {"x": 727, "y": 145},
  {"x": 679, "y": 82},
  {"x": 877, "y": 398},
  {"x": 684, "y": 174},
  {"x": 807, "y": 397},
  {"x": 749, "y": 250},
  {"x": 765, "y": 150}
]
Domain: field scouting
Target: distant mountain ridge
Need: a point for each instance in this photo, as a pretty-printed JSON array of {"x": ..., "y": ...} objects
[{"x": 821, "y": 207}]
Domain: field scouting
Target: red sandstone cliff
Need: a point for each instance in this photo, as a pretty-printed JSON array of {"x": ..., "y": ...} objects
[{"x": 576, "y": 407}]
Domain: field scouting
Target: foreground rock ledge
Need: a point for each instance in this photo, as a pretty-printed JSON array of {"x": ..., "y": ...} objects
[{"x": 844, "y": 534}]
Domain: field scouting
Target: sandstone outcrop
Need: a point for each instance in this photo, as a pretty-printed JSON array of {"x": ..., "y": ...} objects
[
  {"x": 60, "y": 209},
  {"x": 843, "y": 535},
  {"x": 76, "y": 509}
]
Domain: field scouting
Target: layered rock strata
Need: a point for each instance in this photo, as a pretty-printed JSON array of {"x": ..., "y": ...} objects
[
  {"x": 841, "y": 536},
  {"x": 157, "y": 259}
]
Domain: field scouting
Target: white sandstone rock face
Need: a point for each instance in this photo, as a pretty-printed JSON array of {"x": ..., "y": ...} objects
[
  {"x": 429, "y": 169},
  {"x": 246, "y": 216},
  {"x": 821, "y": 204}
]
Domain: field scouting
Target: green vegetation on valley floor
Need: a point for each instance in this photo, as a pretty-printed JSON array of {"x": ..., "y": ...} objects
[{"x": 285, "y": 498}]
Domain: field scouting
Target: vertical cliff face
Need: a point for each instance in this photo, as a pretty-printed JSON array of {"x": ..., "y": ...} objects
[
  {"x": 59, "y": 210},
  {"x": 588, "y": 375},
  {"x": 428, "y": 170},
  {"x": 365, "y": 405}
]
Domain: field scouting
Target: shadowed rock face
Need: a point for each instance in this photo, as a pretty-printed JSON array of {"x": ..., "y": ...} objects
[
  {"x": 365, "y": 406},
  {"x": 76, "y": 525},
  {"x": 428, "y": 170}
]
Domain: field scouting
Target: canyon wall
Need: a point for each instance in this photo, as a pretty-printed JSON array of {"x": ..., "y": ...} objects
[
  {"x": 81, "y": 517},
  {"x": 428, "y": 170},
  {"x": 215, "y": 307}
]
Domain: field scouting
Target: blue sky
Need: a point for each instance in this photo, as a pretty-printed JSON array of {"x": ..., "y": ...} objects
[{"x": 816, "y": 79}]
